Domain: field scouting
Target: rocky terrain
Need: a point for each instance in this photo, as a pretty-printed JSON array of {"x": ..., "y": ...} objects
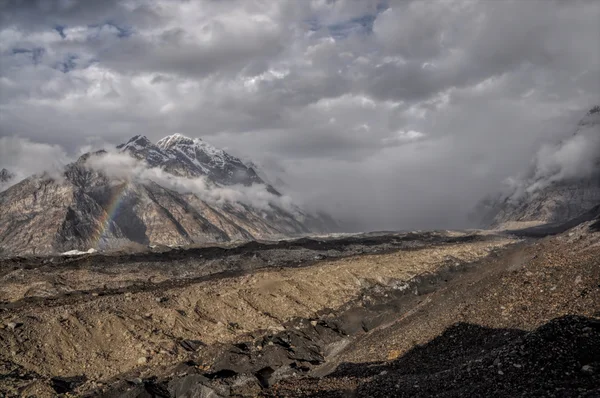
[
  {"x": 406, "y": 314},
  {"x": 177, "y": 192},
  {"x": 562, "y": 183},
  {"x": 187, "y": 157},
  {"x": 193, "y": 295}
]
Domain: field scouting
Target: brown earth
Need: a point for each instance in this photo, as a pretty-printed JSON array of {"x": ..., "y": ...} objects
[
  {"x": 136, "y": 317},
  {"x": 321, "y": 318},
  {"x": 519, "y": 291}
]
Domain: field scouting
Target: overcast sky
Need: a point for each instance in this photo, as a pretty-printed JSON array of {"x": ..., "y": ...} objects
[{"x": 388, "y": 114}]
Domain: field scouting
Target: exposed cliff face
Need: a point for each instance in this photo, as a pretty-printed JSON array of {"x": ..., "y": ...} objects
[
  {"x": 563, "y": 182},
  {"x": 89, "y": 209}
]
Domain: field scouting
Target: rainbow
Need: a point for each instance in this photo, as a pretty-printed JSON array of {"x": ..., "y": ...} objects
[{"x": 100, "y": 235}]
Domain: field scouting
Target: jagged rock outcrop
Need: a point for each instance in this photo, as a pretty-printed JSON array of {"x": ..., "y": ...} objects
[
  {"x": 90, "y": 209},
  {"x": 5, "y": 176},
  {"x": 6, "y": 179},
  {"x": 563, "y": 182}
]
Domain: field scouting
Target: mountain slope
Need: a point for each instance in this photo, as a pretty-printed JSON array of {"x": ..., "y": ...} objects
[
  {"x": 186, "y": 157},
  {"x": 563, "y": 182},
  {"x": 89, "y": 208}
]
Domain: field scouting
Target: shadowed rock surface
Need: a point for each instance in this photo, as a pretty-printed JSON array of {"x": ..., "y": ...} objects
[{"x": 560, "y": 358}]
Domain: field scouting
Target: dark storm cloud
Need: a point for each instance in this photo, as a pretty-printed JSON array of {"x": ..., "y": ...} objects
[{"x": 392, "y": 114}]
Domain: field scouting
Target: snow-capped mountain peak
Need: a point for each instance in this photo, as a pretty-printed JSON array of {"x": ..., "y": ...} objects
[
  {"x": 198, "y": 151},
  {"x": 138, "y": 141},
  {"x": 192, "y": 157},
  {"x": 177, "y": 139},
  {"x": 141, "y": 148}
]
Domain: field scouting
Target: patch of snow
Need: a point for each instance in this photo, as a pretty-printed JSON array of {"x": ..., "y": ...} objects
[{"x": 78, "y": 252}]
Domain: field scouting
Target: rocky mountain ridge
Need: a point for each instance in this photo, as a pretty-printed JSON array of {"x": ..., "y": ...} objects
[
  {"x": 562, "y": 183},
  {"x": 5, "y": 176},
  {"x": 89, "y": 209},
  {"x": 186, "y": 157}
]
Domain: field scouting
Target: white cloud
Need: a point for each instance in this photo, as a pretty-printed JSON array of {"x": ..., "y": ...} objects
[
  {"x": 23, "y": 157},
  {"x": 121, "y": 166}
]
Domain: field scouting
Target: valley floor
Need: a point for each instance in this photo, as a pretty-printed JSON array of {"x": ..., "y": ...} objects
[{"x": 411, "y": 314}]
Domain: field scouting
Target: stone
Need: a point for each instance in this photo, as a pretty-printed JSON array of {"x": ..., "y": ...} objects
[
  {"x": 14, "y": 325},
  {"x": 191, "y": 345},
  {"x": 64, "y": 385}
]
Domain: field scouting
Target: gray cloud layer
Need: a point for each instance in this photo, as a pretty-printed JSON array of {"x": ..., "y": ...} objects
[{"x": 396, "y": 114}]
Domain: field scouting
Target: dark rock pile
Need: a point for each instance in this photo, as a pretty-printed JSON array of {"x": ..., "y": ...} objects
[{"x": 559, "y": 359}]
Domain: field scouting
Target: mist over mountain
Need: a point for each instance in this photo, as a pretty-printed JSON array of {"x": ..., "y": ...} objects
[
  {"x": 293, "y": 198},
  {"x": 179, "y": 191},
  {"x": 5, "y": 176},
  {"x": 562, "y": 182},
  {"x": 388, "y": 114}
]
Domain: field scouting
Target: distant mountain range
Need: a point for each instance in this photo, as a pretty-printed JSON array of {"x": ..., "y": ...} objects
[
  {"x": 183, "y": 191},
  {"x": 563, "y": 182}
]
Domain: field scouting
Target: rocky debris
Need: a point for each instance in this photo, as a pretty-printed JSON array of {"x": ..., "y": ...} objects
[
  {"x": 16, "y": 381},
  {"x": 107, "y": 333},
  {"x": 287, "y": 330},
  {"x": 470, "y": 360},
  {"x": 142, "y": 360},
  {"x": 429, "y": 354},
  {"x": 303, "y": 344},
  {"x": 191, "y": 345},
  {"x": 196, "y": 264},
  {"x": 63, "y": 385},
  {"x": 591, "y": 216},
  {"x": 277, "y": 364},
  {"x": 588, "y": 370},
  {"x": 13, "y": 325}
]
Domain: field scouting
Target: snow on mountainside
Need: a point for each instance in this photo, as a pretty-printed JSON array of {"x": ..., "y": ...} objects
[
  {"x": 187, "y": 157},
  {"x": 179, "y": 191},
  {"x": 562, "y": 183}
]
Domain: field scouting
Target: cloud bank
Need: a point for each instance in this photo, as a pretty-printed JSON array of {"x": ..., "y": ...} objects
[
  {"x": 121, "y": 166},
  {"x": 575, "y": 157},
  {"x": 393, "y": 114}
]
